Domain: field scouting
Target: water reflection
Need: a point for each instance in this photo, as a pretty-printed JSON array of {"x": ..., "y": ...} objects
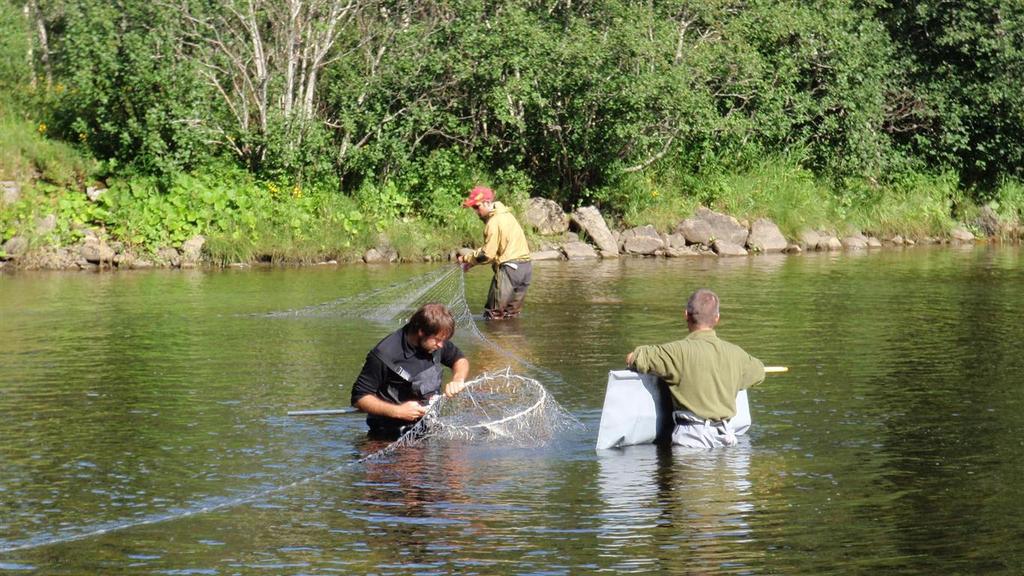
[
  {"x": 424, "y": 501},
  {"x": 505, "y": 345},
  {"x": 699, "y": 499},
  {"x": 892, "y": 445}
]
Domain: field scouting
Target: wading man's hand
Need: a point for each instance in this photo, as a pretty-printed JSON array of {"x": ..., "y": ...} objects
[
  {"x": 453, "y": 388},
  {"x": 410, "y": 411}
]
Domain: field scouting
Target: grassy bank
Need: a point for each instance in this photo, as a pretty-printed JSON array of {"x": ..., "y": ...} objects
[
  {"x": 246, "y": 220},
  {"x": 912, "y": 205}
]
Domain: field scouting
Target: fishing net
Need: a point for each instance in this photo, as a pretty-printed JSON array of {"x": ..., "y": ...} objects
[
  {"x": 394, "y": 304},
  {"x": 493, "y": 407},
  {"x": 511, "y": 406}
]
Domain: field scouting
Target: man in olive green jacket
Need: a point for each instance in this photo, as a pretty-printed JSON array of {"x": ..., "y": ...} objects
[
  {"x": 506, "y": 249},
  {"x": 704, "y": 374}
]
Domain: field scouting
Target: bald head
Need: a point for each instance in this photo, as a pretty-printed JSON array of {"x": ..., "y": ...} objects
[{"x": 702, "y": 310}]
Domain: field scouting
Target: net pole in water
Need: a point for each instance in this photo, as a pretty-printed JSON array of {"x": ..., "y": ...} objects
[{"x": 323, "y": 412}]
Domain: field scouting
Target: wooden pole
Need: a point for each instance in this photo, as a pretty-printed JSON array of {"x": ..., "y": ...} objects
[{"x": 326, "y": 412}]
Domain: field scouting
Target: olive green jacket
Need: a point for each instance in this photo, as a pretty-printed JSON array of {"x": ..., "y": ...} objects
[{"x": 703, "y": 372}]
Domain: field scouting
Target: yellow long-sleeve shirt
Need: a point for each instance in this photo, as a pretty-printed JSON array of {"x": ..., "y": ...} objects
[
  {"x": 703, "y": 372},
  {"x": 504, "y": 239}
]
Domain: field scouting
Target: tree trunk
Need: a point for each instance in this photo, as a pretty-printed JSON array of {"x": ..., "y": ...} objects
[{"x": 33, "y": 14}]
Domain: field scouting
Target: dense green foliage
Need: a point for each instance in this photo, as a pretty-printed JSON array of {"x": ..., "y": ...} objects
[
  {"x": 814, "y": 113},
  {"x": 960, "y": 102}
]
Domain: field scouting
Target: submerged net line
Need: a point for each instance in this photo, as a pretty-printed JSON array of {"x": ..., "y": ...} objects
[
  {"x": 498, "y": 406},
  {"x": 211, "y": 505}
]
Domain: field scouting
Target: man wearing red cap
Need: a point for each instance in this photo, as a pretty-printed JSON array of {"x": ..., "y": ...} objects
[{"x": 506, "y": 249}]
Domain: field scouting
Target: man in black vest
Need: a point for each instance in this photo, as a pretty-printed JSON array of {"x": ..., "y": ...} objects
[{"x": 403, "y": 371}]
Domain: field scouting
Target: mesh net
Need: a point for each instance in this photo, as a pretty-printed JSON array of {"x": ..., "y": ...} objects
[
  {"x": 511, "y": 406},
  {"x": 494, "y": 407},
  {"x": 394, "y": 304}
]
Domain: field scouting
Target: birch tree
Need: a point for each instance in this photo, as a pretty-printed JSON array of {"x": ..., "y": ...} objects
[{"x": 264, "y": 58}]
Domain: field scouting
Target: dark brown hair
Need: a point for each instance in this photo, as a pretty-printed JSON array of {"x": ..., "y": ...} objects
[{"x": 432, "y": 320}]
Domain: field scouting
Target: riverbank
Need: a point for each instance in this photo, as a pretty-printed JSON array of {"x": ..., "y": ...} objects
[
  {"x": 584, "y": 233},
  {"x": 61, "y": 210}
]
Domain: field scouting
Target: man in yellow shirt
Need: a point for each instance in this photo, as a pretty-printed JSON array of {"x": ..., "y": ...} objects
[
  {"x": 704, "y": 374},
  {"x": 506, "y": 249}
]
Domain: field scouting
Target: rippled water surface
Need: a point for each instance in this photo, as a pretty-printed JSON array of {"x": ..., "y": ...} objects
[{"x": 143, "y": 426}]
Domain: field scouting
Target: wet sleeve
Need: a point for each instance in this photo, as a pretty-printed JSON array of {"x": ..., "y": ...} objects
[
  {"x": 450, "y": 354},
  {"x": 370, "y": 379}
]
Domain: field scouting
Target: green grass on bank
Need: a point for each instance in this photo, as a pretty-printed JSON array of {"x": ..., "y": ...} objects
[
  {"x": 26, "y": 156},
  {"x": 242, "y": 218},
  {"x": 246, "y": 220},
  {"x": 914, "y": 205}
]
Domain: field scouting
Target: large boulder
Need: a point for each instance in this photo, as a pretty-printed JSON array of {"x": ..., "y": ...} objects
[
  {"x": 724, "y": 227},
  {"x": 546, "y": 216},
  {"x": 855, "y": 241},
  {"x": 695, "y": 231},
  {"x": 682, "y": 251},
  {"x": 96, "y": 251},
  {"x": 961, "y": 235},
  {"x": 380, "y": 255},
  {"x": 643, "y": 240},
  {"x": 192, "y": 250},
  {"x": 546, "y": 255},
  {"x": 15, "y": 247},
  {"x": 830, "y": 243},
  {"x": 590, "y": 221},
  {"x": 374, "y": 256},
  {"x": 675, "y": 240},
  {"x": 579, "y": 251},
  {"x": 819, "y": 240},
  {"x": 809, "y": 239},
  {"x": 168, "y": 256},
  {"x": 766, "y": 237},
  {"x": 725, "y": 248},
  {"x": 707, "y": 226}
]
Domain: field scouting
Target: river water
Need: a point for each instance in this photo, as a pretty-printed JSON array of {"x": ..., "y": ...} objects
[{"x": 143, "y": 426}]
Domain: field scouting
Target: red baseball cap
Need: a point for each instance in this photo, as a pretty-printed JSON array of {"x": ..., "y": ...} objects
[{"x": 478, "y": 195}]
